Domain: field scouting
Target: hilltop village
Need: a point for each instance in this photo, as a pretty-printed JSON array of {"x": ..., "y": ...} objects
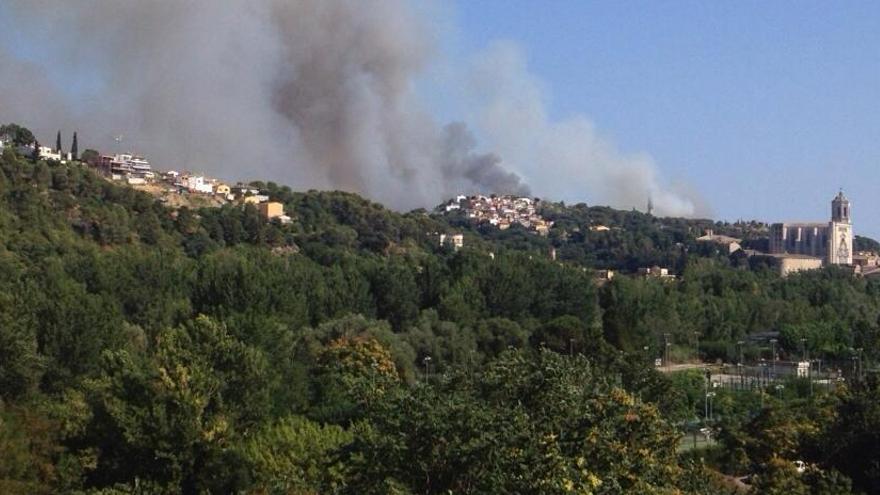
[
  {"x": 175, "y": 188},
  {"x": 501, "y": 211}
]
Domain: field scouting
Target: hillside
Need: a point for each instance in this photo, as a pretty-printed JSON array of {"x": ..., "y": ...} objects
[{"x": 177, "y": 350}]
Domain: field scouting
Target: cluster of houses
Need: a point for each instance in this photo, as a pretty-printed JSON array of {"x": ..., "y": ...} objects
[
  {"x": 136, "y": 170},
  {"x": 501, "y": 211}
]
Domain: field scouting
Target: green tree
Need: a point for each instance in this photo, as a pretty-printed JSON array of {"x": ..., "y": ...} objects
[
  {"x": 568, "y": 334},
  {"x": 296, "y": 456},
  {"x": 74, "y": 148},
  {"x": 526, "y": 425},
  {"x": 851, "y": 443},
  {"x": 29, "y": 442},
  {"x": 91, "y": 156},
  {"x": 170, "y": 416},
  {"x": 19, "y": 135}
]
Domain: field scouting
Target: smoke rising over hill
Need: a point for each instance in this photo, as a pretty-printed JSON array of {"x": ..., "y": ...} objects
[{"x": 313, "y": 93}]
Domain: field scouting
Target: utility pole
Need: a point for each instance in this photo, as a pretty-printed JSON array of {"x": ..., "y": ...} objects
[
  {"x": 739, "y": 364},
  {"x": 711, "y": 411},
  {"x": 666, "y": 350},
  {"x": 773, "y": 352},
  {"x": 861, "y": 365},
  {"x": 853, "y": 359},
  {"x": 427, "y": 362},
  {"x": 706, "y": 404}
]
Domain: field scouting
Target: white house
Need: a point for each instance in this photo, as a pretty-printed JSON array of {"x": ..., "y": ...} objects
[
  {"x": 47, "y": 153},
  {"x": 256, "y": 199},
  {"x": 127, "y": 164},
  {"x": 456, "y": 240},
  {"x": 196, "y": 183}
]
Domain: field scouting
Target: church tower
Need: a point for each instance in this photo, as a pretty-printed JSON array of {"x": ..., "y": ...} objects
[
  {"x": 840, "y": 233},
  {"x": 840, "y": 209}
]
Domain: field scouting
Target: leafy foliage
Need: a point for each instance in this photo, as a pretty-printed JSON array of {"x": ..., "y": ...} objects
[{"x": 145, "y": 349}]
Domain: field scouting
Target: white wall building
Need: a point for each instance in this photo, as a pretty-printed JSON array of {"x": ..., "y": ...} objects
[
  {"x": 196, "y": 183},
  {"x": 127, "y": 165}
]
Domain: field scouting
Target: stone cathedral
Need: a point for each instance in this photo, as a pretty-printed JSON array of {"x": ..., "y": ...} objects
[{"x": 831, "y": 241}]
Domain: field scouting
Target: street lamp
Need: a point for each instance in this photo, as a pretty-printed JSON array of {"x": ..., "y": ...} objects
[
  {"x": 739, "y": 364},
  {"x": 779, "y": 389},
  {"x": 666, "y": 345},
  {"x": 853, "y": 359},
  {"x": 861, "y": 366},
  {"x": 709, "y": 412},
  {"x": 427, "y": 362},
  {"x": 773, "y": 352}
]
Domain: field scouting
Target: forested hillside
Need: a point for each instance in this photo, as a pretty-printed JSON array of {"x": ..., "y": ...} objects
[{"x": 151, "y": 350}]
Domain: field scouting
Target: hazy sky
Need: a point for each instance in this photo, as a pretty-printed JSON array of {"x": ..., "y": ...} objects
[
  {"x": 767, "y": 108},
  {"x": 763, "y": 109}
]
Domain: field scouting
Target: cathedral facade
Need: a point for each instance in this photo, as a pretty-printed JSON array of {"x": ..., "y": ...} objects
[{"x": 831, "y": 241}]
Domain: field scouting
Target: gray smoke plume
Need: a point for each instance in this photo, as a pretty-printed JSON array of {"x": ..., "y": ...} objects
[
  {"x": 311, "y": 93},
  {"x": 463, "y": 166},
  {"x": 568, "y": 158}
]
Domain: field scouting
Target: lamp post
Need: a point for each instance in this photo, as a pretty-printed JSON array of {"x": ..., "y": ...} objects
[
  {"x": 773, "y": 352},
  {"x": 666, "y": 345},
  {"x": 779, "y": 388},
  {"x": 853, "y": 359},
  {"x": 709, "y": 397},
  {"x": 427, "y": 362},
  {"x": 706, "y": 402},
  {"x": 760, "y": 380},
  {"x": 739, "y": 364},
  {"x": 859, "y": 361}
]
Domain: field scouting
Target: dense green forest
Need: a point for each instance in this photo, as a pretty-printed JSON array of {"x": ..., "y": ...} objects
[{"x": 151, "y": 350}]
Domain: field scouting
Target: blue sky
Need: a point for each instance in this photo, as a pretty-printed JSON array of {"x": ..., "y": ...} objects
[{"x": 766, "y": 108}]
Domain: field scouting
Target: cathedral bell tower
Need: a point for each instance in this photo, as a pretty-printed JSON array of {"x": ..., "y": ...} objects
[
  {"x": 840, "y": 209},
  {"x": 840, "y": 233}
]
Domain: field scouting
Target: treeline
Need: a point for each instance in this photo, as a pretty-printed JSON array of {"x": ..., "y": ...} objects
[{"x": 825, "y": 313}]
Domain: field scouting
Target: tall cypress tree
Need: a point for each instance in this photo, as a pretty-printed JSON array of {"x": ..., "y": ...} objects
[
  {"x": 36, "y": 154},
  {"x": 58, "y": 143},
  {"x": 74, "y": 148}
]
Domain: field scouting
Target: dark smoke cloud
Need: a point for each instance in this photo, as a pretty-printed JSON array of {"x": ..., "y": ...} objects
[
  {"x": 311, "y": 93},
  {"x": 463, "y": 167}
]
